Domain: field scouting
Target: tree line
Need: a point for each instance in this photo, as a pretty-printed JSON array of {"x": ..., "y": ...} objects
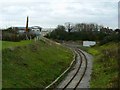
[{"x": 84, "y": 31}]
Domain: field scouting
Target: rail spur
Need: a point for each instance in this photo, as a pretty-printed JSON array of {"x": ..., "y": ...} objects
[{"x": 75, "y": 80}]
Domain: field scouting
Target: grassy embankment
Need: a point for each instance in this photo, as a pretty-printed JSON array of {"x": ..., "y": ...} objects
[
  {"x": 105, "y": 66},
  {"x": 8, "y": 44},
  {"x": 33, "y": 64}
]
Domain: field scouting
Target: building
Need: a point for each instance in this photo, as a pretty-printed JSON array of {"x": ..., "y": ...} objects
[
  {"x": 89, "y": 43},
  {"x": 19, "y": 30},
  {"x": 34, "y": 30}
]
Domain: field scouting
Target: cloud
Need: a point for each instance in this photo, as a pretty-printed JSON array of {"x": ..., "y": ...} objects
[{"x": 50, "y": 13}]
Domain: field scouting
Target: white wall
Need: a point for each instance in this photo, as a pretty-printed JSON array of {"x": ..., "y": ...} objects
[{"x": 88, "y": 43}]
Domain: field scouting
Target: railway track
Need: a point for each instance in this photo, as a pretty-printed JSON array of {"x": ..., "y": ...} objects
[
  {"x": 81, "y": 66},
  {"x": 75, "y": 78}
]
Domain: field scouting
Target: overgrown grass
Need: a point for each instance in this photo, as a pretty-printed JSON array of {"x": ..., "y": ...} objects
[
  {"x": 35, "y": 65},
  {"x": 105, "y": 66}
]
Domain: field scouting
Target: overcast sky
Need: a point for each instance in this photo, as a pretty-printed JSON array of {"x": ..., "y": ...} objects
[{"x": 50, "y": 13}]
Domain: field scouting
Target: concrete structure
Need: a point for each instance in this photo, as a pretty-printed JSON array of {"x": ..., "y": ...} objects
[
  {"x": 33, "y": 29},
  {"x": 37, "y": 31},
  {"x": 89, "y": 43},
  {"x": 20, "y": 30}
]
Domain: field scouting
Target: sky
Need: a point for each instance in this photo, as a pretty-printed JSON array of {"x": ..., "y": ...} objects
[{"x": 50, "y": 13}]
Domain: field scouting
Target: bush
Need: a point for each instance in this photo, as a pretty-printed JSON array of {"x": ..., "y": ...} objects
[
  {"x": 8, "y": 36},
  {"x": 111, "y": 38}
]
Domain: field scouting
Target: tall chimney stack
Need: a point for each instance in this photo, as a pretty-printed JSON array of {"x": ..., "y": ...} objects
[{"x": 27, "y": 25}]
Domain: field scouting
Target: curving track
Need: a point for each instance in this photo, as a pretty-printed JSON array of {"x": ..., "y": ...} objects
[{"x": 73, "y": 81}]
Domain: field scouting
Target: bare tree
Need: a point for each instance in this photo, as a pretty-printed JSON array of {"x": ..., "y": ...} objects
[{"x": 69, "y": 26}]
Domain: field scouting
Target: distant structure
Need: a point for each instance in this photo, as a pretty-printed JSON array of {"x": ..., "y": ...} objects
[
  {"x": 27, "y": 25},
  {"x": 37, "y": 31},
  {"x": 27, "y": 29},
  {"x": 32, "y": 30},
  {"x": 88, "y": 43},
  {"x": 21, "y": 33},
  {"x": 46, "y": 31},
  {"x": 20, "y": 30}
]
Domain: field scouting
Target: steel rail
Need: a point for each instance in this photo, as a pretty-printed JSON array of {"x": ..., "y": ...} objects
[{"x": 82, "y": 57}]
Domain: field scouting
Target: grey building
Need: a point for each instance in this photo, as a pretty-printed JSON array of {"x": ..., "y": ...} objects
[{"x": 33, "y": 30}]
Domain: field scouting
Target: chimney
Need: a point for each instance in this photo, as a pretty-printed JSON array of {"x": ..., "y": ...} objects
[{"x": 27, "y": 25}]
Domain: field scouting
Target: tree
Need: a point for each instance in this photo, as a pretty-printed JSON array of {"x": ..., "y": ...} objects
[
  {"x": 69, "y": 26},
  {"x": 58, "y": 33}
]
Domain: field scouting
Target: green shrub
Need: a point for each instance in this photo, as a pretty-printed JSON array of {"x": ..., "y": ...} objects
[{"x": 8, "y": 36}]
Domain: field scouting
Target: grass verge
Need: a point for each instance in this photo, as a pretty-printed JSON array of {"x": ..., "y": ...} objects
[
  {"x": 105, "y": 66},
  {"x": 33, "y": 65},
  {"x": 10, "y": 44}
]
